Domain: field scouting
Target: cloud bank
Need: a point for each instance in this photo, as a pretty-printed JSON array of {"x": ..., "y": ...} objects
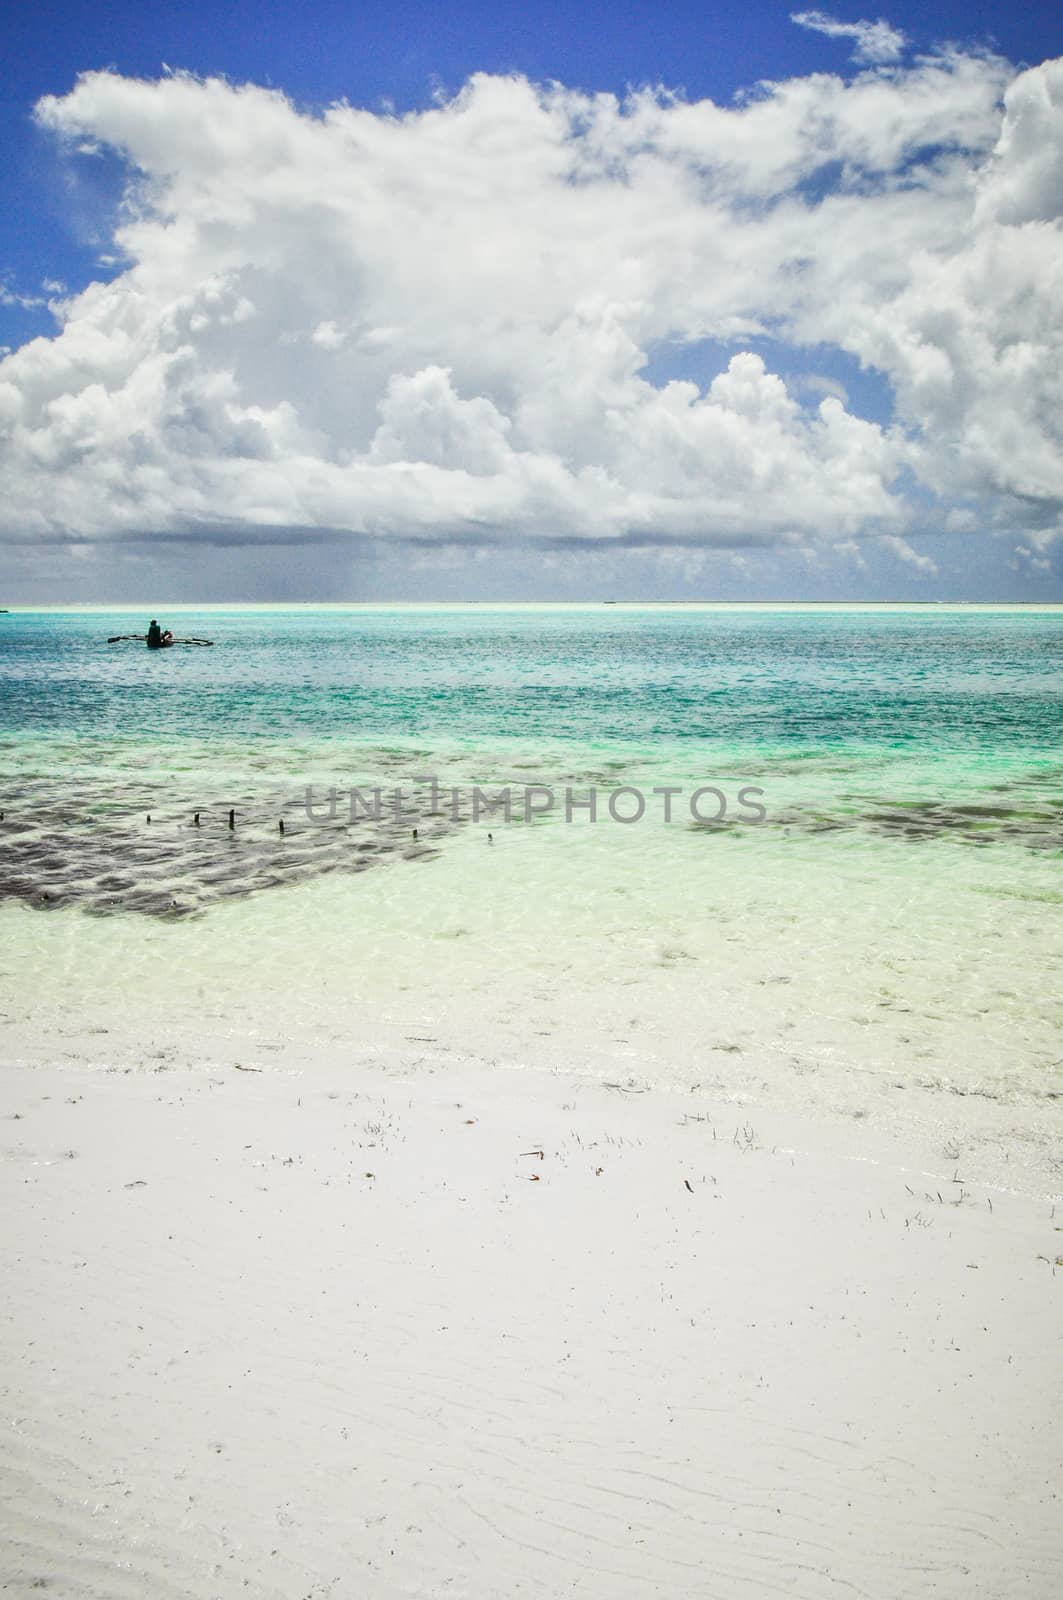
[{"x": 438, "y": 327}]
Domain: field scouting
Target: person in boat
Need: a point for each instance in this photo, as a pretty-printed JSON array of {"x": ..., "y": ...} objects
[{"x": 157, "y": 639}]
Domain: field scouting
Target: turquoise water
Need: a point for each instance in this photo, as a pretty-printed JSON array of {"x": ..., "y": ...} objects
[
  {"x": 891, "y": 928},
  {"x": 957, "y": 682},
  {"x": 919, "y": 723}
]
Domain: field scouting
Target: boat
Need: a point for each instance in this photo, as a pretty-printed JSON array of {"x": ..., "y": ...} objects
[{"x": 159, "y": 641}]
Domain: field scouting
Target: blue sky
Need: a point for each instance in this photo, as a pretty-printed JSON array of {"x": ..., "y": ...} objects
[
  {"x": 58, "y": 211},
  {"x": 400, "y": 54}
]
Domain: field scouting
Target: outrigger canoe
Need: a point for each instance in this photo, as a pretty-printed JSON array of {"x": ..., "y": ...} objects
[{"x": 164, "y": 642}]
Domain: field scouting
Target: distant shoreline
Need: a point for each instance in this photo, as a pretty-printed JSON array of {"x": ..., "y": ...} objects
[{"x": 110, "y": 607}]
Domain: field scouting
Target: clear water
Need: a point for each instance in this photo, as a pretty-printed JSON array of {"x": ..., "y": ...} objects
[{"x": 893, "y": 923}]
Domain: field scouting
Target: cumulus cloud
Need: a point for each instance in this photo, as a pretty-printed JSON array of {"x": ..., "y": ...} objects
[
  {"x": 876, "y": 43},
  {"x": 437, "y": 327}
]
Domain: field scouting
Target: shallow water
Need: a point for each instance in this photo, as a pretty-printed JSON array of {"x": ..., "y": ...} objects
[
  {"x": 893, "y": 919},
  {"x": 913, "y": 724}
]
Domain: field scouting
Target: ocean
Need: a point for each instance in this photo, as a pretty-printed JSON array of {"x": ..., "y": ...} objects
[{"x": 822, "y": 869}]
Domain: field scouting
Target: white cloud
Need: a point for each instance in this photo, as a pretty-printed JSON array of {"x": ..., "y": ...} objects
[
  {"x": 971, "y": 338},
  {"x": 436, "y": 327},
  {"x": 1030, "y": 561},
  {"x": 816, "y": 384},
  {"x": 904, "y": 552},
  {"x": 877, "y": 43},
  {"x": 327, "y": 335},
  {"x": 25, "y": 302}
]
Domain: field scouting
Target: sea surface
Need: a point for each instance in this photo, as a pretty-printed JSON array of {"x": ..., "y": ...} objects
[{"x": 863, "y": 900}]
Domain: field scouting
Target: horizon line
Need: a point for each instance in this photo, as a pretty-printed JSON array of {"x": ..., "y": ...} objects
[{"x": 589, "y": 600}]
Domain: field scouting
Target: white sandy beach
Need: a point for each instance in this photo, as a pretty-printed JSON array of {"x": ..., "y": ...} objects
[
  {"x": 311, "y": 1330},
  {"x": 531, "y": 1039}
]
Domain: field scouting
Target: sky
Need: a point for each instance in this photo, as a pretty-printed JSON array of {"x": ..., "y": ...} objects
[{"x": 422, "y": 301}]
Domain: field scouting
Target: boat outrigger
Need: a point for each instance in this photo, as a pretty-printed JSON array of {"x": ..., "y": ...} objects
[{"x": 156, "y": 638}]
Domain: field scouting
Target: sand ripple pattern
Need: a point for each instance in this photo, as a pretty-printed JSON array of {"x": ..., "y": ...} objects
[{"x": 268, "y": 1336}]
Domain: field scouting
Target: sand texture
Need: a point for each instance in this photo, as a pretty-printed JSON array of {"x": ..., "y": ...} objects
[{"x": 305, "y": 1332}]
